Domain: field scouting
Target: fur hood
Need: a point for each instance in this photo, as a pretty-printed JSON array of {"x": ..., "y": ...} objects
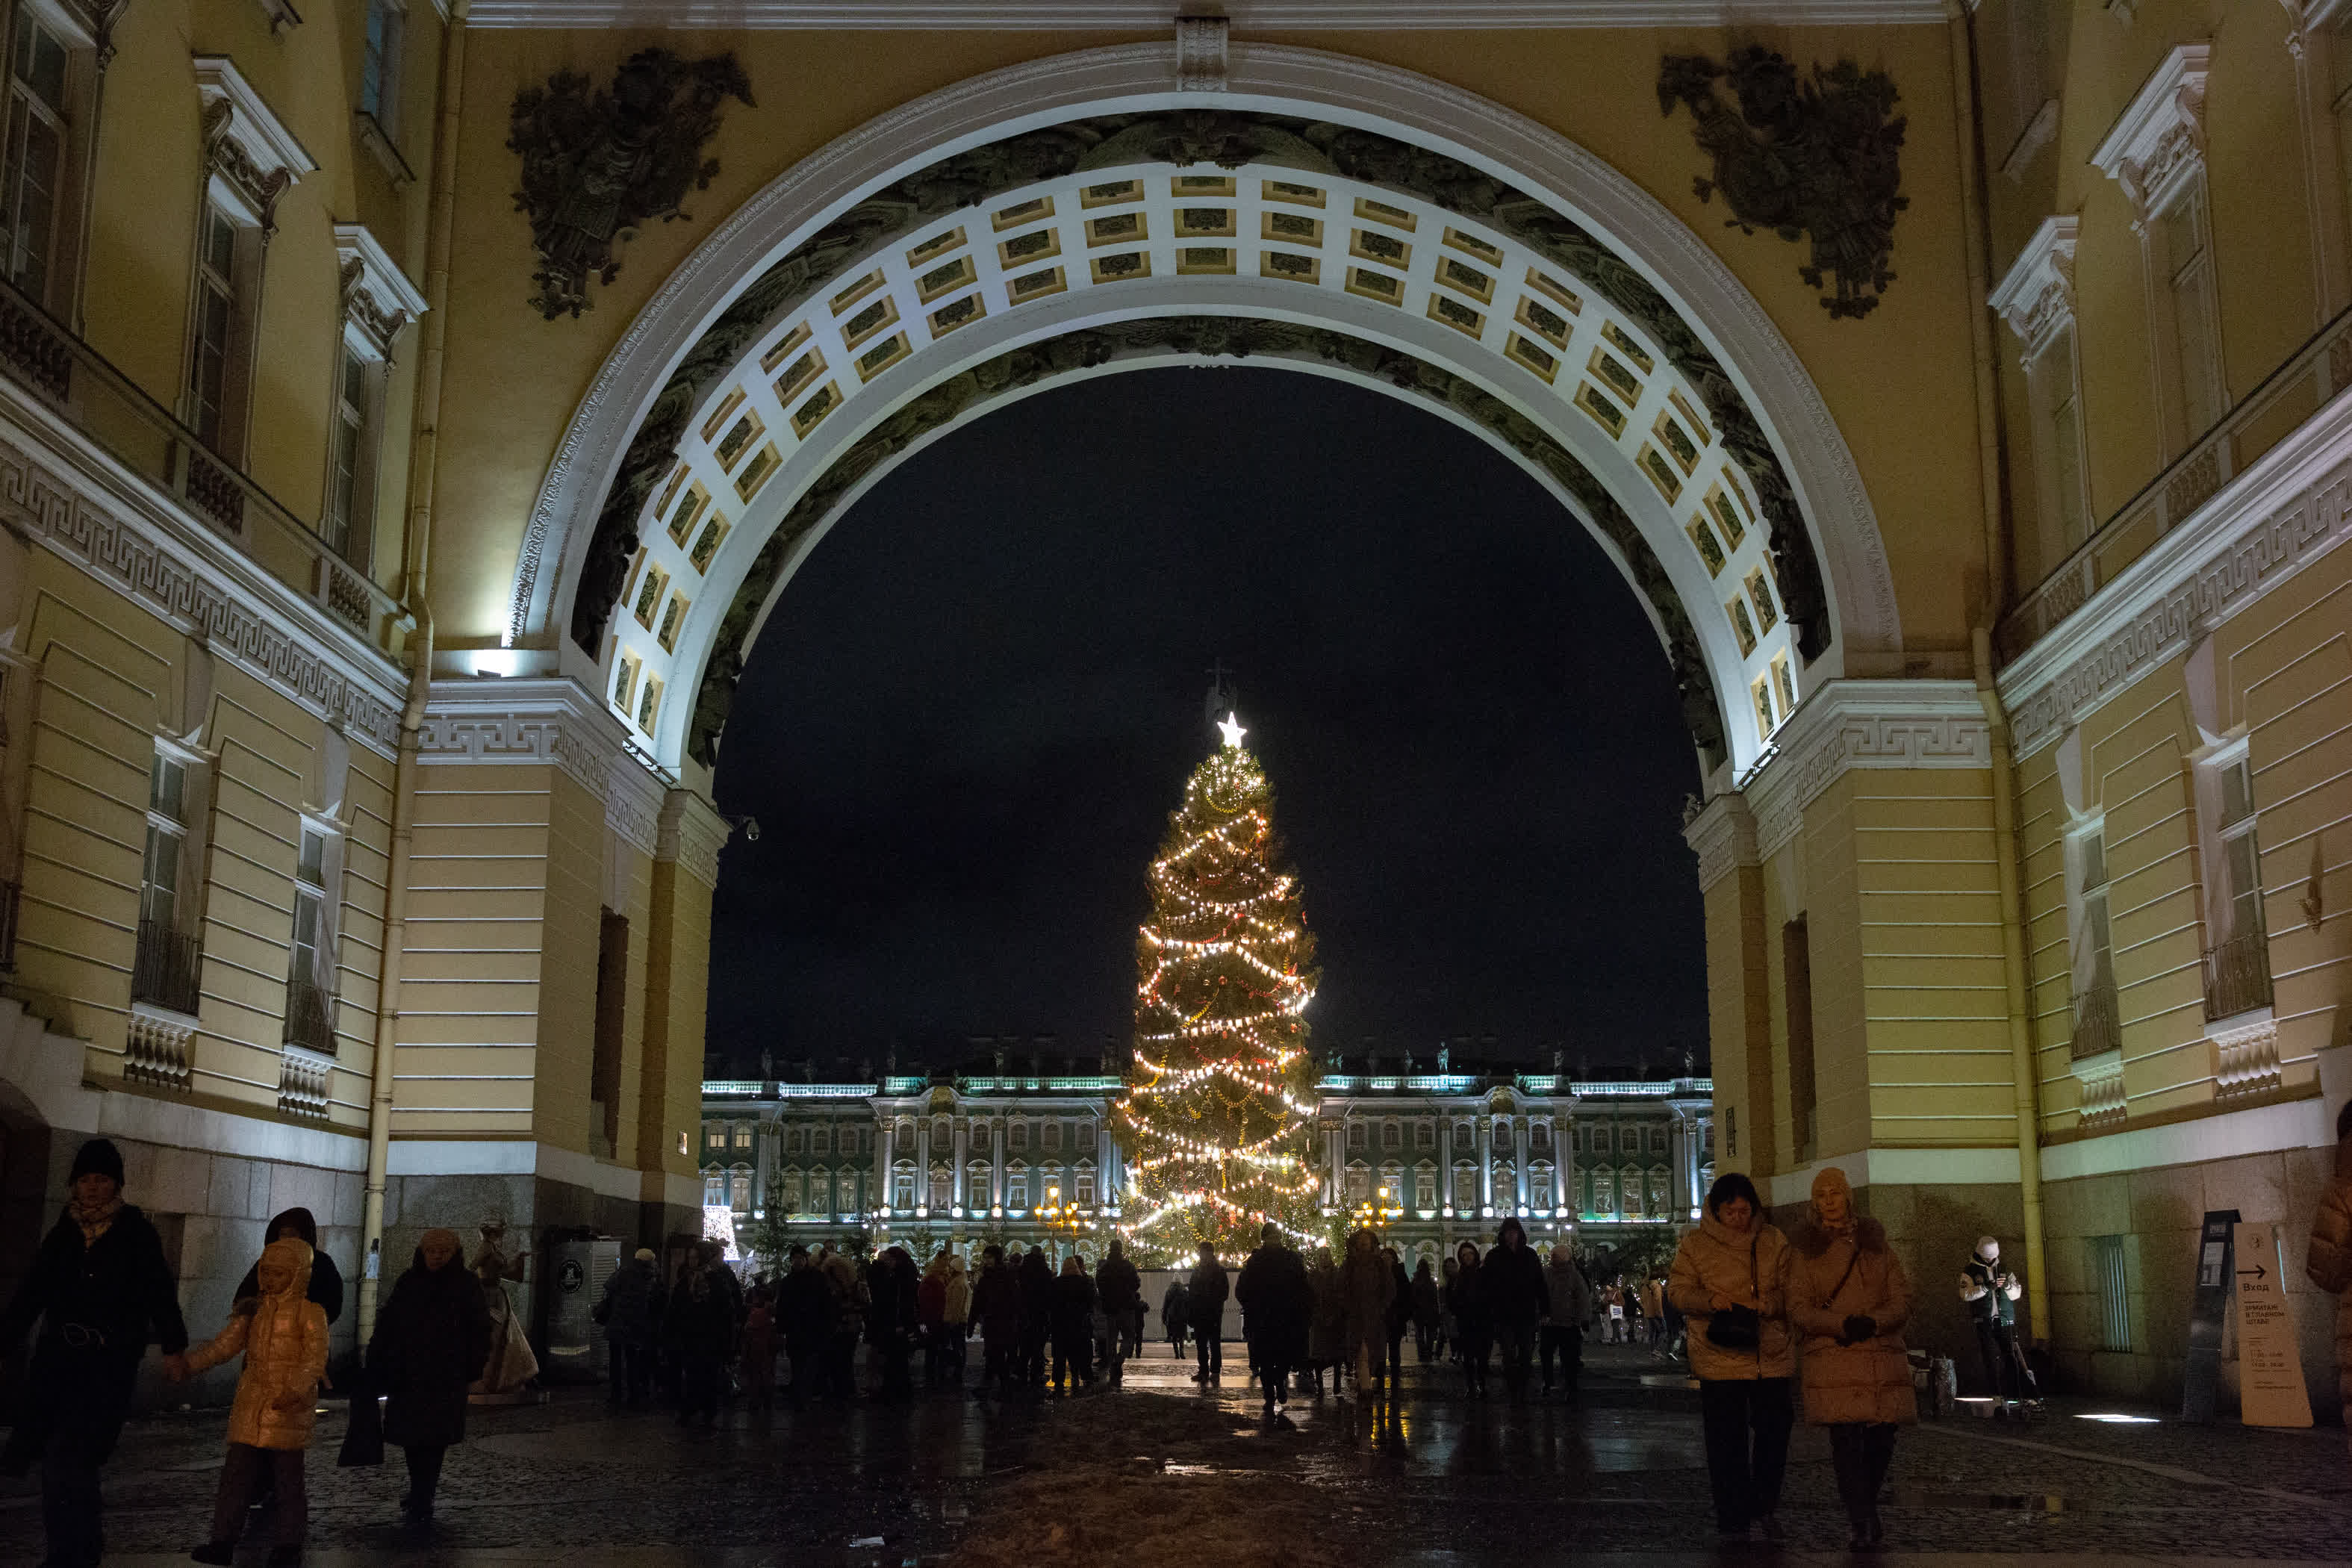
[{"x": 1812, "y": 1239}]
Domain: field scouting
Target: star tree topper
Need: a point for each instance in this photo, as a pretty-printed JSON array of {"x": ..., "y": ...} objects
[{"x": 1232, "y": 731}]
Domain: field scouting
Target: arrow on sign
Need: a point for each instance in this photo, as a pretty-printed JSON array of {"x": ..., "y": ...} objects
[{"x": 2258, "y": 1272}]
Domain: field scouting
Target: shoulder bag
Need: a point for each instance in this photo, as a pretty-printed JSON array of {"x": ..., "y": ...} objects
[{"x": 1737, "y": 1327}]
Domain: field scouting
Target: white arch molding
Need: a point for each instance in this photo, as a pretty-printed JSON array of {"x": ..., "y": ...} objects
[{"x": 1856, "y": 583}]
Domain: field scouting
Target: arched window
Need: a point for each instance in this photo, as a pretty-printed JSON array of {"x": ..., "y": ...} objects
[
  {"x": 1360, "y": 1182},
  {"x": 1465, "y": 1187},
  {"x": 791, "y": 1139},
  {"x": 741, "y": 1194},
  {"x": 1425, "y": 1135},
  {"x": 1020, "y": 1139},
  {"x": 1053, "y": 1135},
  {"x": 902, "y": 1187},
  {"x": 975, "y": 1185},
  {"x": 820, "y": 1140},
  {"x": 1391, "y": 1134},
  {"x": 1539, "y": 1137},
  {"x": 943, "y": 1186},
  {"x": 1539, "y": 1185},
  {"x": 1355, "y": 1137},
  {"x": 790, "y": 1197},
  {"x": 1085, "y": 1134},
  {"x": 1463, "y": 1137}
]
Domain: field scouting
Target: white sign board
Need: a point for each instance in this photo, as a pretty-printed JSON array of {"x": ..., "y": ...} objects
[{"x": 2270, "y": 1369}]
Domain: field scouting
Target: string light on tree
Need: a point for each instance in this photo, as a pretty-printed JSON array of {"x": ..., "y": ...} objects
[{"x": 1217, "y": 1112}]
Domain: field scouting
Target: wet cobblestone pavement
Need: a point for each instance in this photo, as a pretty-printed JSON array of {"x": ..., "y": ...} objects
[{"x": 1161, "y": 1472}]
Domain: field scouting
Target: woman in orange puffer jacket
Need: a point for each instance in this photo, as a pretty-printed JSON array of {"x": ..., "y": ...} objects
[
  {"x": 283, "y": 1336},
  {"x": 1848, "y": 1299}
]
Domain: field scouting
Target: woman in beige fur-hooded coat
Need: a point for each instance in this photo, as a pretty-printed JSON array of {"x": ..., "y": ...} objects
[{"x": 1847, "y": 1299}]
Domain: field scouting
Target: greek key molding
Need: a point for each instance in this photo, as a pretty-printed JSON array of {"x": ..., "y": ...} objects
[
  {"x": 1849, "y": 724},
  {"x": 2288, "y": 509},
  {"x": 58, "y": 489},
  {"x": 549, "y": 722},
  {"x": 692, "y": 834},
  {"x": 1723, "y": 836}
]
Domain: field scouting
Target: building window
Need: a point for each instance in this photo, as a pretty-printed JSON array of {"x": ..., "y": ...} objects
[
  {"x": 1604, "y": 1193},
  {"x": 1085, "y": 1134},
  {"x": 1391, "y": 1135},
  {"x": 35, "y": 184},
  {"x": 1466, "y": 1187},
  {"x": 714, "y": 1190},
  {"x": 1425, "y": 1135},
  {"x": 975, "y": 1185},
  {"x": 1085, "y": 1186},
  {"x": 1355, "y": 1137},
  {"x": 310, "y": 976},
  {"x": 1016, "y": 1189},
  {"x": 1424, "y": 1189},
  {"x": 742, "y": 1187},
  {"x": 820, "y": 1140},
  {"x": 168, "y": 958},
  {"x": 2183, "y": 232},
  {"x": 351, "y": 471},
  {"x": 215, "y": 361},
  {"x": 380, "y": 64},
  {"x": 1020, "y": 1135},
  {"x": 2098, "y": 1021},
  {"x": 1053, "y": 1135},
  {"x": 2237, "y": 961},
  {"x": 791, "y": 1140},
  {"x": 2111, "y": 1278},
  {"x": 902, "y": 1188},
  {"x": 1360, "y": 1184},
  {"x": 1539, "y": 1138},
  {"x": 1657, "y": 1203},
  {"x": 742, "y": 1135},
  {"x": 2056, "y": 395}
]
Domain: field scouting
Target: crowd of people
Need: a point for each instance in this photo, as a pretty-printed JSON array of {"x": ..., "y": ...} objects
[{"x": 1760, "y": 1313}]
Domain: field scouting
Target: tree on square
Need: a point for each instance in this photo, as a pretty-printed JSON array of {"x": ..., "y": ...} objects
[{"x": 1217, "y": 1108}]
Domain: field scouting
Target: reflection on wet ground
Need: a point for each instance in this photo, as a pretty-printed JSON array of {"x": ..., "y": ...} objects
[{"x": 1431, "y": 1479}]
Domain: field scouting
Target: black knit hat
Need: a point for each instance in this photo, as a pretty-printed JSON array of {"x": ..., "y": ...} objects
[{"x": 99, "y": 1157}]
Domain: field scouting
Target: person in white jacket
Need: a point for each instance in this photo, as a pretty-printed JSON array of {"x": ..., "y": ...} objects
[{"x": 1992, "y": 1293}]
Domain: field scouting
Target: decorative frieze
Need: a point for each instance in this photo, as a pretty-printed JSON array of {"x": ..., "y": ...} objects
[
  {"x": 692, "y": 835},
  {"x": 142, "y": 550},
  {"x": 551, "y": 723},
  {"x": 2036, "y": 298},
  {"x": 2159, "y": 140},
  {"x": 1849, "y": 724},
  {"x": 1722, "y": 833},
  {"x": 2289, "y": 509}
]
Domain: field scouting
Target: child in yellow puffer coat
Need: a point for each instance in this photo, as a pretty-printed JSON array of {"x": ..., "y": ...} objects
[{"x": 283, "y": 1335}]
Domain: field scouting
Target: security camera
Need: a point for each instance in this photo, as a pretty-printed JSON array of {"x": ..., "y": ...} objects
[{"x": 750, "y": 830}]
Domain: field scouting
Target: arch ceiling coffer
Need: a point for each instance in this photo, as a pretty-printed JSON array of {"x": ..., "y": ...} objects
[{"x": 1462, "y": 248}]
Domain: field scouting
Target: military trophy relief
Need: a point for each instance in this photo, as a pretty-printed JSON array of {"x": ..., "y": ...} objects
[
  {"x": 599, "y": 164},
  {"x": 1804, "y": 158}
]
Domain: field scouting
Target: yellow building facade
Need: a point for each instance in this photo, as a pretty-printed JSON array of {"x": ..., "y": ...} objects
[{"x": 410, "y": 416}]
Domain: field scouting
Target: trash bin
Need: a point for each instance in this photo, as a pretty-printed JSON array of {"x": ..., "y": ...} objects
[{"x": 577, "y": 1262}]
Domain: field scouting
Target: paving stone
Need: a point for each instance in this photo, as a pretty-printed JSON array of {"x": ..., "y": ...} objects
[{"x": 1435, "y": 1482}]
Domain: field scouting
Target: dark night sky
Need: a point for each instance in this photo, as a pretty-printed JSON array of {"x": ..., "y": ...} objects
[{"x": 964, "y": 727}]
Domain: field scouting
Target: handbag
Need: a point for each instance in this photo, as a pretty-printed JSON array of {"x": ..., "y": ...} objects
[
  {"x": 364, "y": 1439},
  {"x": 1739, "y": 1328}
]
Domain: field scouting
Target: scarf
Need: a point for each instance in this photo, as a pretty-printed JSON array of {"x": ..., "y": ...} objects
[{"x": 95, "y": 1220}]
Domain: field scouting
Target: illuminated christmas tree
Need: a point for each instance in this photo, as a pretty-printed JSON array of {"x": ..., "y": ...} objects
[{"x": 1216, "y": 1111}]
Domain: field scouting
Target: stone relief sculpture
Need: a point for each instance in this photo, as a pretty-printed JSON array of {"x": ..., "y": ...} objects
[
  {"x": 1800, "y": 157},
  {"x": 599, "y": 164}
]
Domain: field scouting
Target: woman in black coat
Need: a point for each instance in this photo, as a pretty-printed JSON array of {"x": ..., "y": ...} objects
[
  {"x": 1074, "y": 1324},
  {"x": 1474, "y": 1317},
  {"x": 1037, "y": 1315},
  {"x": 431, "y": 1342},
  {"x": 325, "y": 1279}
]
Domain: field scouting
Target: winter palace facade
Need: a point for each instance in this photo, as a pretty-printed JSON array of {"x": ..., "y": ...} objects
[{"x": 1428, "y": 1157}]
